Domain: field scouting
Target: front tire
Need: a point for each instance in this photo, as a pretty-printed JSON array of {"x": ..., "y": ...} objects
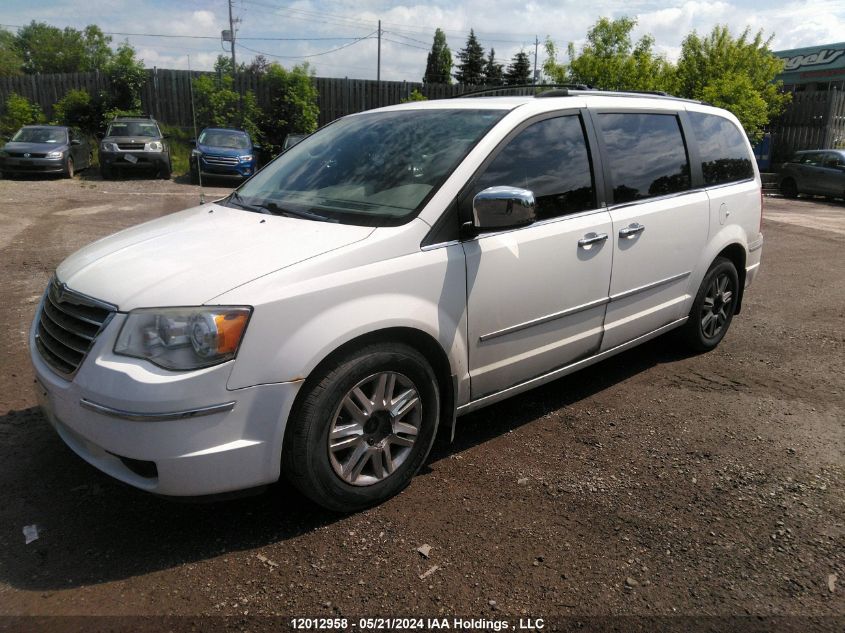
[
  {"x": 363, "y": 427},
  {"x": 68, "y": 168},
  {"x": 714, "y": 306},
  {"x": 789, "y": 188}
]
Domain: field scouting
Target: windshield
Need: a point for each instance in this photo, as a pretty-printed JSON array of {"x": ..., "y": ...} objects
[
  {"x": 220, "y": 138},
  {"x": 373, "y": 169},
  {"x": 133, "y": 128},
  {"x": 40, "y": 135}
]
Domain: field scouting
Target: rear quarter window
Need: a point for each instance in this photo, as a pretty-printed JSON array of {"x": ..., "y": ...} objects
[{"x": 721, "y": 145}]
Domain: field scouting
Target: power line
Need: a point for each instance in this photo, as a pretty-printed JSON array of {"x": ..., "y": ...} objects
[{"x": 360, "y": 39}]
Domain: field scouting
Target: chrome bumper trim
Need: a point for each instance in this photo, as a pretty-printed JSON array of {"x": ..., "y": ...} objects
[{"x": 156, "y": 417}]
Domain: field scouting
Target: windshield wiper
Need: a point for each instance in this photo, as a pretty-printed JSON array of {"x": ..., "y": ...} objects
[
  {"x": 237, "y": 199},
  {"x": 274, "y": 208}
]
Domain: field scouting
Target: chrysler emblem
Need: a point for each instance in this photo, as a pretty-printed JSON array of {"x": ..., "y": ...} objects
[{"x": 27, "y": 155}]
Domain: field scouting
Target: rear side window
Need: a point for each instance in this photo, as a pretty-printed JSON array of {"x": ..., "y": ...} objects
[
  {"x": 646, "y": 155},
  {"x": 814, "y": 158},
  {"x": 724, "y": 155},
  {"x": 551, "y": 159},
  {"x": 834, "y": 160}
]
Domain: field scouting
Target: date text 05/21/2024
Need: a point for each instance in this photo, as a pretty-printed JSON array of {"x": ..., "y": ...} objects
[{"x": 415, "y": 624}]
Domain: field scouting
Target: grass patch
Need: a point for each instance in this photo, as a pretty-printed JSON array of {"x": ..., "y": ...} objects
[{"x": 180, "y": 147}]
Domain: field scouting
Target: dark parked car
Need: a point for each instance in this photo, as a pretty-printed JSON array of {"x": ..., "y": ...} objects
[
  {"x": 134, "y": 143},
  {"x": 819, "y": 172},
  {"x": 224, "y": 153},
  {"x": 46, "y": 149}
]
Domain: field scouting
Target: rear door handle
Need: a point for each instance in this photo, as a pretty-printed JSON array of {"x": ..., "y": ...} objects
[
  {"x": 592, "y": 238},
  {"x": 631, "y": 230}
]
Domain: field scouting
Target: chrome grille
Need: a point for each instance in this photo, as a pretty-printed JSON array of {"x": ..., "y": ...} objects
[
  {"x": 228, "y": 161},
  {"x": 130, "y": 147},
  {"x": 68, "y": 324}
]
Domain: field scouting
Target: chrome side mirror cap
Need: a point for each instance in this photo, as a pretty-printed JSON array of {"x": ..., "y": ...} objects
[{"x": 498, "y": 208}]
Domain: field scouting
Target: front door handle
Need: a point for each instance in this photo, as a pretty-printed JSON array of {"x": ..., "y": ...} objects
[
  {"x": 592, "y": 238},
  {"x": 631, "y": 230}
]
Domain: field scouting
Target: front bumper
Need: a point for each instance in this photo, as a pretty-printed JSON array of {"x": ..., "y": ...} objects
[
  {"x": 129, "y": 435},
  {"x": 32, "y": 165},
  {"x": 136, "y": 160},
  {"x": 240, "y": 171}
]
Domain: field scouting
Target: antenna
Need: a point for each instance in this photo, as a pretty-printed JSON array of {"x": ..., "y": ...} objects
[{"x": 194, "y": 117}]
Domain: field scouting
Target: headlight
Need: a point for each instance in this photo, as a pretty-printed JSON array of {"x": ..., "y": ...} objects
[
  {"x": 108, "y": 147},
  {"x": 245, "y": 159},
  {"x": 153, "y": 146},
  {"x": 196, "y": 153},
  {"x": 57, "y": 154},
  {"x": 183, "y": 338}
]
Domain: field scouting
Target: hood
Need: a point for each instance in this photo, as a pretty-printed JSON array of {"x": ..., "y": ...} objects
[
  {"x": 34, "y": 148},
  {"x": 224, "y": 151},
  {"x": 190, "y": 257}
]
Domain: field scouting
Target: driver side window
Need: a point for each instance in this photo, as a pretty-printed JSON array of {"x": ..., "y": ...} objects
[{"x": 551, "y": 159}]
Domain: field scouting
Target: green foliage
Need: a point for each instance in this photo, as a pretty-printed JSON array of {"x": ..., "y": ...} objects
[
  {"x": 293, "y": 106},
  {"x": 219, "y": 105},
  {"x": 17, "y": 112},
  {"x": 11, "y": 60},
  {"x": 471, "y": 66},
  {"x": 126, "y": 77},
  {"x": 611, "y": 61},
  {"x": 415, "y": 95},
  {"x": 493, "y": 71},
  {"x": 438, "y": 67},
  {"x": 519, "y": 70},
  {"x": 179, "y": 141},
  {"x": 733, "y": 73},
  {"x": 48, "y": 49},
  {"x": 76, "y": 109}
]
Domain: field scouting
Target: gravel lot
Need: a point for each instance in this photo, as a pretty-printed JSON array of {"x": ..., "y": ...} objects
[{"x": 655, "y": 483}]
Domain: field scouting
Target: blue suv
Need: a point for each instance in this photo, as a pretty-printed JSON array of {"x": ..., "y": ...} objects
[{"x": 223, "y": 153}]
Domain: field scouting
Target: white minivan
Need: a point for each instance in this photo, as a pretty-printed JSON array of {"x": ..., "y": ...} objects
[{"x": 396, "y": 269}]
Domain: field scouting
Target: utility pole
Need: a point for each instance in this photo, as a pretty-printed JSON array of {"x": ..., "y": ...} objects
[
  {"x": 378, "y": 65},
  {"x": 232, "y": 42},
  {"x": 536, "y": 44}
]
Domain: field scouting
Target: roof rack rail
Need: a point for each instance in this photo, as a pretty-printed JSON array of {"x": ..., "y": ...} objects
[
  {"x": 542, "y": 91},
  {"x": 524, "y": 87}
]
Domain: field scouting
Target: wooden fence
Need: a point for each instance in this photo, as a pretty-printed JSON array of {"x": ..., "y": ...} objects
[
  {"x": 814, "y": 120},
  {"x": 166, "y": 93}
]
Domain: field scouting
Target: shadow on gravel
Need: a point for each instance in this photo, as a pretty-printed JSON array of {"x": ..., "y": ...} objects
[{"x": 93, "y": 529}]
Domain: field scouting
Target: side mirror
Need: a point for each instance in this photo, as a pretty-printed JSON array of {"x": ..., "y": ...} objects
[
  {"x": 165, "y": 136},
  {"x": 76, "y": 141},
  {"x": 503, "y": 208},
  {"x": 256, "y": 147}
]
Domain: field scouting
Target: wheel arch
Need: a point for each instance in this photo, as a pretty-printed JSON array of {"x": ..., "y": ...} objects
[
  {"x": 735, "y": 252},
  {"x": 420, "y": 341}
]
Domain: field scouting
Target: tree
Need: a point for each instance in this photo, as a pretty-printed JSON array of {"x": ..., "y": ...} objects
[
  {"x": 258, "y": 66},
  {"x": 126, "y": 77},
  {"x": 611, "y": 61},
  {"x": 493, "y": 71},
  {"x": 17, "y": 112},
  {"x": 11, "y": 61},
  {"x": 438, "y": 66},
  {"x": 219, "y": 105},
  {"x": 293, "y": 106},
  {"x": 48, "y": 49},
  {"x": 77, "y": 109},
  {"x": 733, "y": 73},
  {"x": 519, "y": 70},
  {"x": 471, "y": 66}
]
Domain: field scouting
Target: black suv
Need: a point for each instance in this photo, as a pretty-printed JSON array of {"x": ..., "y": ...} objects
[{"x": 134, "y": 143}]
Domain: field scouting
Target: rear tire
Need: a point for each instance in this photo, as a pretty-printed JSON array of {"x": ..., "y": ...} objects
[
  {"x": 789, "y": 188},
  {"x": 714, "y": 307},
  {"x": 363, "y": 427},
  {"x": 106, "y": 173}
]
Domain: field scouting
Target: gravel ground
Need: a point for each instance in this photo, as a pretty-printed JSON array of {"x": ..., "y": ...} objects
[{"x": 655, "y": 483}]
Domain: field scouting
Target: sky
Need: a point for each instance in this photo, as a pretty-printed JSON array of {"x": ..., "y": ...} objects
[{"x": 338, "y": 38}]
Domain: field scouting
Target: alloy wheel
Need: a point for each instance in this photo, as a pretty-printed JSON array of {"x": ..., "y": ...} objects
[
  {"x": 717, "y": 306},
  {"x": 374, "y": 428}
]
